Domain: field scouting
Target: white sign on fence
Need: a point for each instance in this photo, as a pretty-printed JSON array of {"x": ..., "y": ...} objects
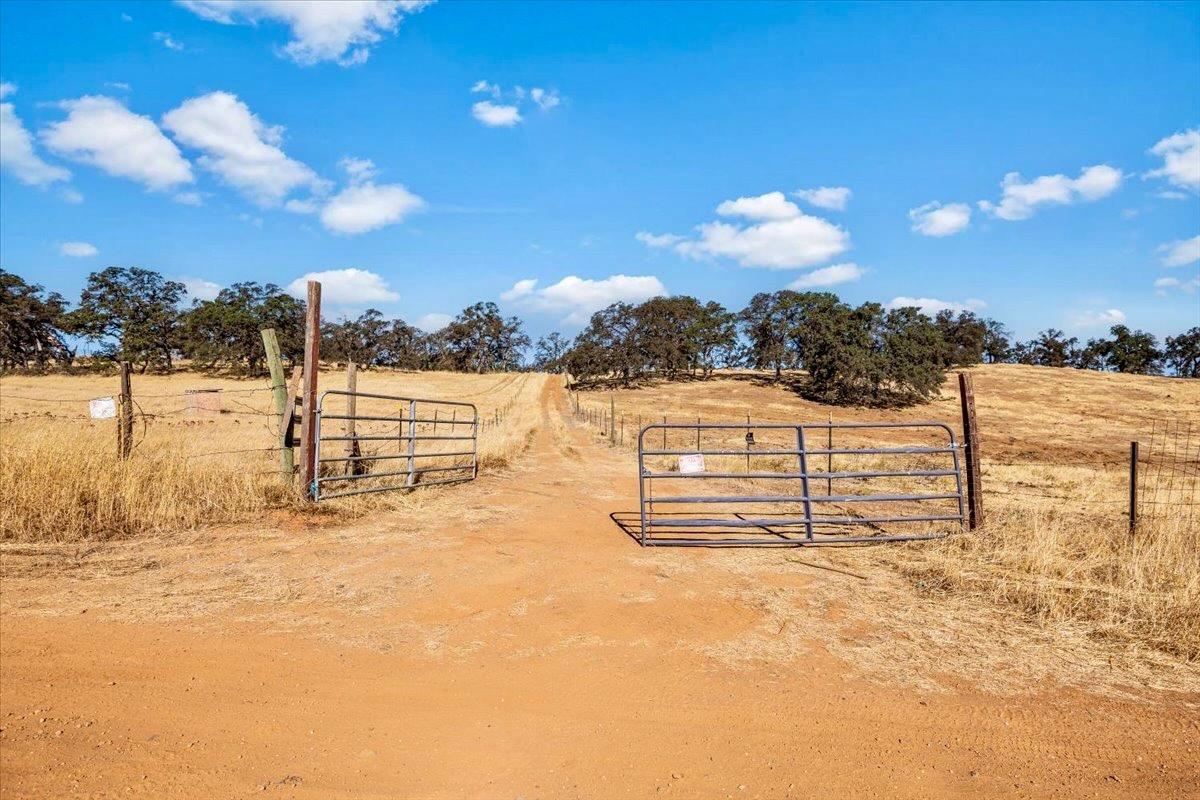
[
  {"x": 691, "y": 463},
  {"x": 103, "y": 408}
]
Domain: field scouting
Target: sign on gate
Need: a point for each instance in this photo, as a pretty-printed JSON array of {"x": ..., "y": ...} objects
[{"x": 789, "y": 484}]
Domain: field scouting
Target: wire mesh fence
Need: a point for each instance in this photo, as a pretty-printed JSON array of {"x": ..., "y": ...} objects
[{"x": 1167, "y": 471}]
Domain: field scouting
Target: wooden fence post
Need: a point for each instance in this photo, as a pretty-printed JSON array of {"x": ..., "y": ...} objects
[
  {"x": 1133, "y": 479},
  {"x": 287, "y": 466},
  {"x": 353, "y": 464},
  {"x": 308, "y": 390},
  {"x": 966, "y": 396},
  {"x": 287, "y": 425},
  {"x": 612, "y": 421},
  {"x": 125, "y": 415}
]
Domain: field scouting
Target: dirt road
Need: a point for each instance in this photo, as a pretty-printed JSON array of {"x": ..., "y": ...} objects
[{"x": 521, "y": 645}]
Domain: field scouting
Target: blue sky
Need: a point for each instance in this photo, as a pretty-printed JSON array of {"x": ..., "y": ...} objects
[{"x": 555, "y": 157}]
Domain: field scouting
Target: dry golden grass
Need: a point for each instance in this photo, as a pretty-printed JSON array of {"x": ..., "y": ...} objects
[
  {"x": 1056, "y": 546},
  {"x": 61, "y": 480}
]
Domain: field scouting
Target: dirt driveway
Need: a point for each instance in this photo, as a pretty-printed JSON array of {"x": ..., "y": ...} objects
[{"x": 520, "y": 646}]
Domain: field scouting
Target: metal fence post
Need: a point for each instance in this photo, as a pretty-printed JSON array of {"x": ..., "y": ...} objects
[
  {"x": 829, "y": 455},
  {"x": 1133, "y": 478},
  {"x": 412, "y": 440},
  {"x": 971, "y": 440}
]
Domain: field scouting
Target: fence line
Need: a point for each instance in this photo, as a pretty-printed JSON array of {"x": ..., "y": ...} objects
[
  {"x": 491, "y": 420},
  {"x": 1169, "y": 478}
]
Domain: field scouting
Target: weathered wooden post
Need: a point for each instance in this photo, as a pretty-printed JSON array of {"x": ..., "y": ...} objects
[
  {"x": 1133, "y": 479},
  {"x": 612, "y": 421},
  {"x": 308, "y": 391},
  {"x": 353, "y": 464},
  {"x": 287, "y": 466},
  {"x": 966, "y": 396},
  {"x": 125, "y": 415}
]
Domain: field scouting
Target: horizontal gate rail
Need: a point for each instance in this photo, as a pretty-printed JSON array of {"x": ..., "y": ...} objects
[
  {"x": 413, "y": 434},
  {"x": 799, "y": 519}
]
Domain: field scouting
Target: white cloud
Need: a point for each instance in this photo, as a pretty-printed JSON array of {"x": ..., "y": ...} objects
[
  {"x": 546, "y": 99},
  {"x": 322, "y": 30},
  {"x": 932, "y": 305},
  {"x": 1020, "y": 199},
  {"x": 1180, "y": 253},
  {"x": 359, "y": 169},
  {"x": 240, "y": 148},
  {"x": 102, "y": 132},
  {"x": 935, "y": 219},
  {"x": 1170, "y": 194},
  {"x": 78, "y": 249},
  {"x": 494, "y": 115},
  {"x": 72, "y": 195},
  {"x": 201, "y": 289},
  {"x": 522, "y": 288},
  {"x": 782, "y": 236},
  {"x": 1189, "y": 286},
  {"x": 346, "y": 287},
  {"x": 658, "y": 239},
  {"x": 120, "y": 86},
  {"x": 764, "y": 207},
  {"x": 306, "y": 206},
  {"x": 579, "y": 298},
  {"x": 167, "y": 41},
  {"x": 504, "y": 108},
  {"x": 433, "y": 322},
  {"x": 1180, "y": 153},
  {"x": 828, "y": 276},
  {"x": 16, "y": 148},
  {"x": 833, "y": 198},
  {"x": 364, "y": 207},
  {"x": 188, "y": 198},
  {"x": 1092, "y": 319},
  {"x": 483, "y": 87}
]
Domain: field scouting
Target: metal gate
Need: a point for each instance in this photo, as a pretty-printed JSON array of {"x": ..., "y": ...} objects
[
  {"x": 788, "y": 484},
  {"x": 431, "y": 441}
]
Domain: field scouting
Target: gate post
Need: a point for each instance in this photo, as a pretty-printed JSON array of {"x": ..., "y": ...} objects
[
  {"x": 308, "y": 412},
  {"x": 966, "y": 396}
]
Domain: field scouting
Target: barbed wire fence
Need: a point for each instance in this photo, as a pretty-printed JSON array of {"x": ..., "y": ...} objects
[{"x": 199, "y": 404}]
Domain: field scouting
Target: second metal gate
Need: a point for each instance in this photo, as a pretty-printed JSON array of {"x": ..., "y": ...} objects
[
  {"x": 789, "y": 484},
  {"x": 377, "y": 442}
]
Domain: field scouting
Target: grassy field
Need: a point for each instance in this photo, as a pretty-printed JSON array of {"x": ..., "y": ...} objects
[
  {"x": 1055, "y": 451},
  {"x": 1055, "y": 547},
  {"x": 62, "y": 481}
]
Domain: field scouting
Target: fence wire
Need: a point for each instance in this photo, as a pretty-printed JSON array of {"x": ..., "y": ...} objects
[{"x": 1169, "y": 470}]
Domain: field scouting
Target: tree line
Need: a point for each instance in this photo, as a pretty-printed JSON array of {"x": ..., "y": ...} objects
[
  {"x": 864, "y": 354},
  {"x": 137, "y": 315}
]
